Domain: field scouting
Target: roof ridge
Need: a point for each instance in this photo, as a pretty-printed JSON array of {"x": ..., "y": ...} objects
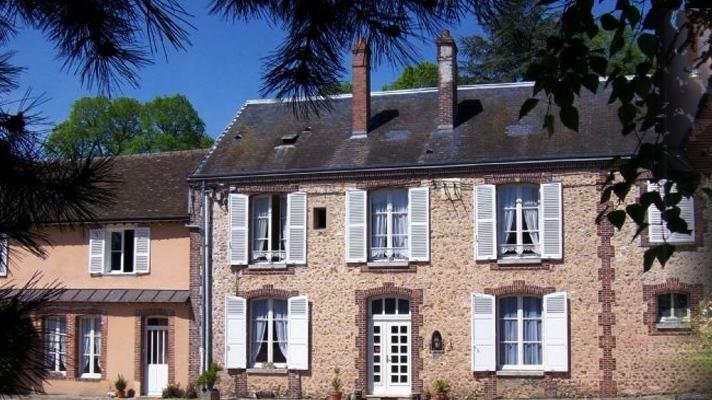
[
  {"x": 159, "y": 153},
  {"x": 218, "y": 140}
]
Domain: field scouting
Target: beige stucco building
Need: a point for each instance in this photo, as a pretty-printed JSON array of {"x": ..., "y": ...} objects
[
  {"x": 448, "y": 239},
  {"x": 126, "y": 309}
]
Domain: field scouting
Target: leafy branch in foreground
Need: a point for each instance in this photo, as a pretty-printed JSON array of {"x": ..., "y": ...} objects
[
  {"x": 645, "y": 101},
  {"x": 22, "y": 362}
]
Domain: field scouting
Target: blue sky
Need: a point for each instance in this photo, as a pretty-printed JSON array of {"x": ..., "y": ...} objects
[{"x": 221, "y": 69}]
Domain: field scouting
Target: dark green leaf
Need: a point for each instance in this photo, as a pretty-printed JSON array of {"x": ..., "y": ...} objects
[
  {"x": 617, "y": 42},
  {"x": 708, "y": 192},
  {"x": 632, "y": 14},
  {"x": 570, "y": 117},
  {"x": 621, "y": 189},
  {"x": 617, "y": 218},
  {"x": 606, "y": 195},
  {"x": 598, "y": 65},
  {"x": 663, "y": 253},
  {"x": 648, "y": 258},
  {"x": 626, "y": 113},
  {"x": 528, "y": 105},
  {"x": 609, "y": 22},
  {"x": 549, "y": 123},
  {"x": 636, "y": 213},
  {"x": 648, "y": 44}
]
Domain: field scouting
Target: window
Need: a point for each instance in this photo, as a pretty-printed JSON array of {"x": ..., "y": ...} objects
[
  {"x": 3, "y": 254},
  {"x": 90, "y": 350},
  {"x": 673, "y": 309},
  {"x": 658, "y": 231},
  {"x": 269, "y": 222},
  {"x": 520, "y": 332},
  {"x": 390, "y": 306},
  {"x": 319, "y": 218},
  {"x": 121, "y": 251},
  {"x": 268, "y": 347},
  {"x": 388, "y": 225},
  {"x": 518, "y": 221},
  {"x": 55, "y": 342}
]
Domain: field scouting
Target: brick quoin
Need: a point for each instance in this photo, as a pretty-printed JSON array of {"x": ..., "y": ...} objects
[{"x": 606, "y": 298}]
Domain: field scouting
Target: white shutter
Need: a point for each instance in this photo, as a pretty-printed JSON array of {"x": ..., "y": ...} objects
[
  {"x": 485, "y": 214},
  {"x": 556, "y": 332},
  {"x": 551, "y": 218},
  {"x": 298, "y": 333},
  {"x": 97, "y": 238},
  {"x": 238, "y": 206},
  {"x": 297, "y": 228},
  {"x": 356, "y": 215},
  {"x": 142, "y": 250},
  {"x": 657, "y": 229},
  {"x": 419, "y": 226},
  {"x": 235, "y": 332},
  {"x": 4, "y": 249},
  {"x": 483, "y": 332}
]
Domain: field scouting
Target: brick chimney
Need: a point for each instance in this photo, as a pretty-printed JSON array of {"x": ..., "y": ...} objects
[
  {"x": 447, "y": 80},
  {"x": 361, "y": 88}
]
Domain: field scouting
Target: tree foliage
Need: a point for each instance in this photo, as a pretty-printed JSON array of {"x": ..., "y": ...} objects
[
  {"x": 423, "y": 74},
  {"x": 513, "y": 32},
  {"x": 109, "y": 127},
  {"x": 646, "y": 101}
]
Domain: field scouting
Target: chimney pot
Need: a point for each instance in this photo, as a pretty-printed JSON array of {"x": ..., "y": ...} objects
[
  {"x": 361, "y": 88},
  {"x": 447, "y": 80}
]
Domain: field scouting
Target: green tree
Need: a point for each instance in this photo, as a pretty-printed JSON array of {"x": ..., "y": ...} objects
[
  {"x": 423, "y": 74},
  {"x": 343, "y": 87},
  {"x": 513, "y": 32},
  {"x": 98, "y": 125}
]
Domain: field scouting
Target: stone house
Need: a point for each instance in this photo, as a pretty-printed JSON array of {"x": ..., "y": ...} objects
[
  {"x": 412, "y": 235},
  {"x": 127, "y": 305}
]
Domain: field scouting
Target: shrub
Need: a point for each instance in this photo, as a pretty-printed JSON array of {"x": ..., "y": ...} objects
[
  {"x": 120, "y": 383},
  {"x": 173, "y": 391},
  {"x": 702, "y": 327},
  {"x": 210, "y": 376},
  {"x": 441, "y": 386},
  {"x": 190, "y": 392},
  {"x": 336, "y": 381}
]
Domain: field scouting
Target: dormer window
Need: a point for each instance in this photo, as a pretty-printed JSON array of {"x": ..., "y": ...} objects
[{"x": 290, "y": 139}]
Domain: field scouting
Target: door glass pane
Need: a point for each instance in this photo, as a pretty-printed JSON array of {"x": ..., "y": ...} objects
[
  {"x": 390, "y": 306},
  {"x": 377, "y": 306},
  {"x": 403, "y": 307}
]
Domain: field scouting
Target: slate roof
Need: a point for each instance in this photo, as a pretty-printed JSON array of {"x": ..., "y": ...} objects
[
  {"x": 403, "y": 133},
  {"x": 153, "y": 186},
  {"x": 115, "y": 295}
]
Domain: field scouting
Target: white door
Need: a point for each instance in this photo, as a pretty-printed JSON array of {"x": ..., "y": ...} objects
[
  {"x": 390, "y": 348},
  {"x": 156, "y": 362}
]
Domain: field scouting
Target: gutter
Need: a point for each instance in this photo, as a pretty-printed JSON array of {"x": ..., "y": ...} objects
[{"x": 414, "y": 168}]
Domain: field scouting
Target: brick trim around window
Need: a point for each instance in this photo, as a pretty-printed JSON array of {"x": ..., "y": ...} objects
[
  {"x": 140, "y": 348},
  {"x": 76, "y": 352},
  {"x": 415, "y": 296},
  {"x": 534, "y": 178},
  {"x": 240, "y": 376},
  {"x": 519, "y": 288},
  {"x": 671, "y": 285}
]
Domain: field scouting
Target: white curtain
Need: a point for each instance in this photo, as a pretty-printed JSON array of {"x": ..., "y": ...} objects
[
  {"x": 51, "y": 342},
  {"x": 532, "y": 331},
  {"x": 508, "y": 330},
  {"x": 97, "y": 345},
  {"x": 507, "y": 198},
  {"x": 280, "y": 324},
  {"x": 283, "y": 222},
  {"x": 379, "y": 207},
  {"x": 399, "y": 203},
  {"x": 261, "y": 223},
  {"x": 530, "y": 198},
  {"x": 260, "y": 309},
  {"x": 86, "y": 345}
]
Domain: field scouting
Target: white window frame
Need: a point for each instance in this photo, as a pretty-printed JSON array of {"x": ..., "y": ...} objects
[
  {"x": 270, "y": 334},
  {"x": 390, "y": 256},
  {"x": 93, "y": 354},
  {"x": 281, "y": 254},
  {"x": 520, "y": 366},
  {"x": 673, "y": 320},
  {"x": 57, "y": 337},
  {"x": 519, "y": 225},
  {"x": 108, "y": 250}
]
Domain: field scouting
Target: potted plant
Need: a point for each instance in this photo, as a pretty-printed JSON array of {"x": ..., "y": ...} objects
[
  {"x": 441, "y": 387},
  {"x": 336, "y": 385},
  {"x": 120, "y": 385},
  {"x": 208, "y": 379}
]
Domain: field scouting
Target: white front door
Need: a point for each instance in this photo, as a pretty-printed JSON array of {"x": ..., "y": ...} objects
[
  {"x": 390, "y": 349},
  {"x": 156, "y": 362}
]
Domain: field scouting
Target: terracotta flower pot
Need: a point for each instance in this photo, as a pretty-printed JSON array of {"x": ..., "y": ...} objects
[
  {"x": 335, "y": 395},
  {"x": 121, "y": 394},
  {"x": 214, "y": 394},
  {"x": 441, "y": 396}
]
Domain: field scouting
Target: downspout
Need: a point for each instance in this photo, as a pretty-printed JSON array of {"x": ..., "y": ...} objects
[{"x": 207, "y": 284}]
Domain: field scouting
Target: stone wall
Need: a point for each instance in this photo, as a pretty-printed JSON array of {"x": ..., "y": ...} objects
[{"x": 636, "y": 362}]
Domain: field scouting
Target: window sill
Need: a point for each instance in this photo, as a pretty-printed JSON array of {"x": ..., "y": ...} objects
[
  {"x": 387, "y": 264},
  {"x": 57, "y": 375},
  {"x": 90, "y": 377},
  {"x": 263, "y": 266},
  {"x": 673, "y": 325},
  {"x": 267, "y": 371},
  {"x": 518, "y": 260},
  {"x": 518, "y": 373}
]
